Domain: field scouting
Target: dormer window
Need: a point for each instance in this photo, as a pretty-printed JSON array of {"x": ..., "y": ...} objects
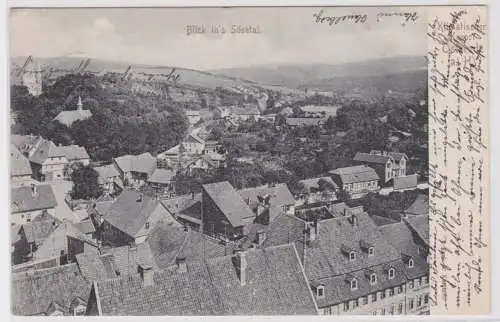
[
  {"x": 371, "y": 251},
  {"x": 354, "y": 284},
  {"x": 320, "y": 291},
  {"x": 410, "y": 263},
  {"x": 391, "y": 273},
  {"x": 373, "y": 279},
  {"x": 352, "y": 256}
]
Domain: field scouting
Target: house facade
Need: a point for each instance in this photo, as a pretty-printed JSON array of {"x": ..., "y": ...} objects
[
  {"x": 357, "y": 180},
  {"x": 388, "y": 165},
  {"x": 20, "y": 169},
  {"x": 318, "y": 190},
  {"x": 109, "y": 179},
  {"x": 135, "y": 169},
  {"x": 29, "y": 202},
  {"x": 48, "y": 162}
]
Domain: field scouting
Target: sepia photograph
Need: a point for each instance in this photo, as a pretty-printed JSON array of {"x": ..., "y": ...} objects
[{"x": 220, "y": 161}]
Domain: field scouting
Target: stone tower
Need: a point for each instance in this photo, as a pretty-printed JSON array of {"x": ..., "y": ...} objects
[{"x": 32, "y": 78}]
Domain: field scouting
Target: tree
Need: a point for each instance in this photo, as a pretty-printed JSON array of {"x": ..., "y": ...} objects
[{"x": 85, "y": 183}]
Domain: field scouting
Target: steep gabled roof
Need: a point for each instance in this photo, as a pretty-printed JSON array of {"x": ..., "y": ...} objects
[
  {"x": 69, "y": 117},
  {"x": 279, "y": 196},
  {"x": 355, "y": 174},
  {"x": 130, "y": 211},
  {"x": 74, "y": 152},
  {"x": 372, "y": 158},
  {"x": 24, "y": 199},
  {"x": 144, "y": 163},
  {"x": 420, "y": 206},
  {"x": 275, "y": 285},
  {"x": 19, "y": 164},
  {"x": 40, "y": 228},
  {"x": 420, "y": 225},
  {"x": 229, "y": 203},
  {"x": 45, "y": 149},
  {"x": 162, "y": 176},
  {"x": 32, "y": 293}
]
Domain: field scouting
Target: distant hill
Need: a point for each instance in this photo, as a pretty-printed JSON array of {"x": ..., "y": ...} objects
[{"x": 297, "y": 76}]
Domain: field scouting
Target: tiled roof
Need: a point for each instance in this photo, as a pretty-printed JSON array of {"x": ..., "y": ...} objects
[
  {"x": 355, "y": 174},
  {"x": 107, "y": 171},
  {"x": 381, "y": 221},
  {"x": 19, "y": 164},
  {"x": 189, "y": 204},
  {"x": 326, "y": 258},
  {"x": 230, "y": 203},
  {"x": 313, "y": 182},
  {"x": 275, "y": 285},
  {"x": 43, "y": 150},
  {"x": 32, "y": 293},
  {"x": 57, "y": 241},
  {"x": 144, "y": 163},
  {"x": 23, "y": 199},
  {"x": 167, "y": 242},
  {"x": 286, "y": 229},
  {"x": 130, "y": 211},
  {"x": 69, "y": 117},
  {"x": 162, "y": 176},
  {"x": 74, "y": 152},
  {"x": 420, "y": 206},
  {"x": 372, "y": 158},
  {"x": 127, "y": 258},
  {"x": 279, "y": 196},
  {"x": 40, "y": 228},
  {"x": 95, "y": 267},
  {"x": 85, "y": 226},
  {"x": 406, "y": 182},
  {"x": 420, "y": 224}
]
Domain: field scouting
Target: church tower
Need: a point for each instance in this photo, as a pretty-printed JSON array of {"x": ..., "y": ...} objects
[{"x": 79, "y": 105}]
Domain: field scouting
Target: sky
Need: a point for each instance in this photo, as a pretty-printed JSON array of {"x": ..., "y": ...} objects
[{"x": 158, "y": 36}]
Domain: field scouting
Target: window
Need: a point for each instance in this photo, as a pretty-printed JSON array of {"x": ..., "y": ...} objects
[
  {"x": 398, "y": 290},
  {"x": 352, "y": 256},
  {"x": 363, "y": 300},
  {"x": 410, "y": 284},
  {"x": 391, "y": 310},
  {"x": 410, "y": 304},
  {"x": 346, "y": 306},
  {"x": 417, "y": 282},
  {"x": 391, "y": 292},
  {"x": 419, "y": 301},
  {"x": 373, "y": 278},
  {"x": 424, "y": 280},
  {"x": 371, "y": 251},
  {"x": 400, "y": 308},
  {"x": 426, "y": 299},
  {"x": 382, "y": 312},
  {"x": 354, "y": 284},
  {"x": 410, "y": 263},
  {"x": 355, "y": 303},
  {"x": 374, "y": 313},
  {"x": 374, "y": 297},
  {"x": 327, "y": 310},
  {"x": 391, "y": 273},
  {"x": 320, "y": 291},
  {"x": 382, "y": 295}
]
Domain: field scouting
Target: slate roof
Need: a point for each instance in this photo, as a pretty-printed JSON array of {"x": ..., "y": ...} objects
[
  {"x": 19, "y": 164},
  {"x": 143, "y": 163},
  {"x": 74, "y": 152},
  {"x": 162, "y": 176},
  {"x": 230, "y": 203},
  {"x": 355, "y": 174},
  {"x": 128, "y": 214},
  {"x": 23, "y": 199},
  {"x": 420, "y": 224},
  {"x": 45, "y": 149},
  {"x": 420, "y": 206},
  {"x": 275, "y": 285},
  {"x": 372, "y": 158},
  {"x": 69, "y": 117},
  {"x": 32, "y": 294},
  {"x": 327, "y": 257}
]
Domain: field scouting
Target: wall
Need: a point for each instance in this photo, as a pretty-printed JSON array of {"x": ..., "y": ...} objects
[
  {"x": 160, "y": 213},
  {"x": 22, "y": 217},
  {"x": 114, "y": 237},
  {"x": 18, "y": 181},
  {"x": 213, "y": 219}
]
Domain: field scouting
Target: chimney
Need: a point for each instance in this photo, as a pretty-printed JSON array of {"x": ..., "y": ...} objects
[
  {"x": 181, "y": 264},
  {"x": 240, "y": 264},
  {"x": 34, "y": 189},
  {"x": 146, "y": 272}
]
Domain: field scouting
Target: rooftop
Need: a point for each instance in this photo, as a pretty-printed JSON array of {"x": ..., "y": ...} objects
[
  {"x": 355, "y": 174},
  {"x": 275, "y": 284},
  {"x": 162, "y": 176},
  {"x": 69, "y": 117},
  {"x": 420, "y": 206},
  {"x": 19, "y": 164},
  {"x": 372, "y": 158},
  {"x": 74, "y": 152},
  {"x": 26, "y": 199},
  {"x": 106, "y": 171},
  {"x": 45, "y": 149},
  {"x": 143, "y": 163}
]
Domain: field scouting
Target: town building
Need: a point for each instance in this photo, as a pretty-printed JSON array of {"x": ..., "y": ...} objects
[
  {"x": 135, "y": 169},
  {"x": 109, "y": 179},
  {"x": 131, "y": 217},
  {"x": 388, "y": 165},
  {"x": 225, "y": 214},
  {"x": 75, "y": 154},
  {"x": 161, "y": 181},
  {"x": 69, "y": 117},
  {"x": 356, "y": 180},
  {"x": 52, "y": 291},
  {"x": 245, "y": 113},
  {"x": 239, "y": 284},
  {"x": 186, "y": 209},
  {"x": 28, "y": 202},
  {"x": 294, "y": 122},
  {"x": 269, "y": 201},
  {"x": 319, "y": 110},
  {"x": 20, "y": 169},
  {"x": 48, "y": 162}
]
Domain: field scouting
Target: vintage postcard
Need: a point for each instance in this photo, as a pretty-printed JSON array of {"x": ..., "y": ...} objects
[{"x": 177, "y": 161}]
